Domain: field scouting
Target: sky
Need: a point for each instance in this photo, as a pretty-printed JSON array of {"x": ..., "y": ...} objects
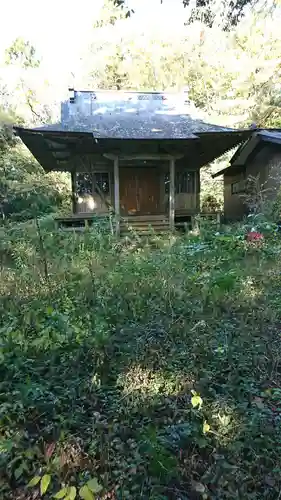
[{"x": 60, "y": 28}]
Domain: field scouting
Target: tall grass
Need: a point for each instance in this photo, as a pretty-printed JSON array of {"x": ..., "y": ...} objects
[{"x": 151, "y": 366}]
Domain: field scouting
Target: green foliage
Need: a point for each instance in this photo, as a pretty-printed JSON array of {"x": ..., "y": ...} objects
[
  {"x": 206, "y": 10},
  {"x": 206, "y": 427},
  {"x": 276, "y": 207},
  {"x": 210, "y": 204},
  {"x": 44, "y": 483},
  {"x": 232, "y": 76},
  {"x": 85, "y": 493},
  {"x": 196, "y": 400},
  {"x": 109, "y": 15},
  {"x": 26, "y": 191},
  {"x": 22, "y": 52},
  {"x": 61, "y": 494},
  {"x": 34, "y": 481},
  {"x": 7, "y": 139},
  {"x": 139, "y": 369},
  {"x": 94, "y": 486}
]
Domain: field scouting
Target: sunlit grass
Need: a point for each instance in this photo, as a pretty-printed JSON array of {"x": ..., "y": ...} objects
[{"x": 100, "y": 356}]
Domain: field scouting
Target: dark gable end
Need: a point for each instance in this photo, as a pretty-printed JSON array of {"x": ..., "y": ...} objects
[{"x": 247, "y": 151}]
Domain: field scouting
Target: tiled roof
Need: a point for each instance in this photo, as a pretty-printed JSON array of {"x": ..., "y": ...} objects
[{"x": 132, "y": 115}]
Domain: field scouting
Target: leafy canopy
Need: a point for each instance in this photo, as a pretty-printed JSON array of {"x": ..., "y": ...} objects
[
  {"x": 23, "y": 53},
  {"x": 206, "y": 10}
]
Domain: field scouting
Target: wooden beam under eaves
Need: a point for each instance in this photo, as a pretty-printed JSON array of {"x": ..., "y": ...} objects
[{"x": 143, "y": 157}]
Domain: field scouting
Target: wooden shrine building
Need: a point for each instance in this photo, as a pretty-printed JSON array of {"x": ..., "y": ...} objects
[{"x": 137, "y": 154}]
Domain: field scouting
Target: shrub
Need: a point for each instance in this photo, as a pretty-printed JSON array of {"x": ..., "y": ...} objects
[{"x": 139, "y": 372}]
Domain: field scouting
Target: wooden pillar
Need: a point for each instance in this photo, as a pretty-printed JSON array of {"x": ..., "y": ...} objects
[
  {"x": 172, "y": 195},
  {"x": 73, "y": 192},
  {"x": 218, "y": 217},
  {"x": 197, "y": 190},
  {"x": 116, "y": 195}
]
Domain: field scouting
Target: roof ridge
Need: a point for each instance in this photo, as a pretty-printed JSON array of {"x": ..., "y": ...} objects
[{"x": 127, "y": 91}]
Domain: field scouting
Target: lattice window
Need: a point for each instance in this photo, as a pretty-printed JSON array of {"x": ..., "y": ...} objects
[
  {"x": 86, "y": 183},
  {"x": 184, "y": 182},
  {"x": 101, "y": 179},
  {"x": 238, "y": 187}
]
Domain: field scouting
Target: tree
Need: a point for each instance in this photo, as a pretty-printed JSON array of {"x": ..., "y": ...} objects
[
  {"x": 232, "y": 76},
  {"x": 114, "y": 76},
  {"x": 7, "y": 139},
  {"x": 22, "y": 55},
  {"x": 22, "y": 52},
  {"x": 25, "y": 190},
  {"x": 109, "y": 14},
  {"x": 206, "y": 10}
]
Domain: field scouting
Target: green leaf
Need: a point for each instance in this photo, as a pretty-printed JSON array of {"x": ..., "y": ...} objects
[
  {"x": 18, "y": 472},
  {"x": 202, "y": 442},
  {"x": 94, "y": 486},
  {"x": 45, "y": 481},
  {"x": 206, "y": 427},
  {"x": 61, "y": 494},
  {"x": 71, "y": 493},
  {"x": 35, "y": 480},
  {"x": 85, "y": 493},
  {"x": 196, "y": 400}
]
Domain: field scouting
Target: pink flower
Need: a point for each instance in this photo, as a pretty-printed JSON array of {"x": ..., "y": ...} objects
[{"x": 254, "y": 236}]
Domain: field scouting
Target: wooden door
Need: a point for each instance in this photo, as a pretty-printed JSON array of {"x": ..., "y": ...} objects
[{"x": 139, "y": 190}]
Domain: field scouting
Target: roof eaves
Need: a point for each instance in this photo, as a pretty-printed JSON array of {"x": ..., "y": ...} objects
[
  {"x": 220, "y": 172},
  {"x": 243, "y": 153},
  {"x": 228, "y": 170},
  {"x": 240, "y": 148},
  {"x": 210, "y": 145},
  {"x": 270, "y": 136}
]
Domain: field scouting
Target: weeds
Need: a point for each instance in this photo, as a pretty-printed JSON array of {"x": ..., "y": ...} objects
[{"x": 139, "y": 370}]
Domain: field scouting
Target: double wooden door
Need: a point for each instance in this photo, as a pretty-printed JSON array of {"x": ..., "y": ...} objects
[{"x": 140, "y": 190}]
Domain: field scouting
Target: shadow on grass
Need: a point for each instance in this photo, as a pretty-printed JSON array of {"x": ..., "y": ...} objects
[{"x": 103, "y": 366}]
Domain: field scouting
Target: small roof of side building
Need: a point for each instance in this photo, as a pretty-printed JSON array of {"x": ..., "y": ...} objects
[
  {"x": 249, "y": 149},
  {"x": 116, "y": 122}
]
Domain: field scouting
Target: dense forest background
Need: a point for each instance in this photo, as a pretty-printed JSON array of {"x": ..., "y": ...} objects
[{"x": 231, "y": 67}]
